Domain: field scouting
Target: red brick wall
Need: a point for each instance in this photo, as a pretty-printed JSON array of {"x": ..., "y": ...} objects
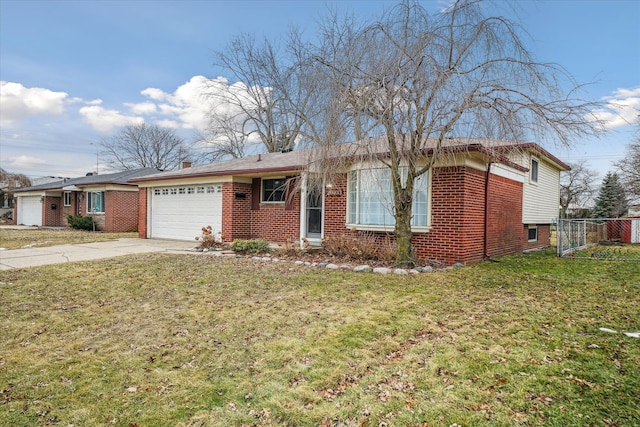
[
  {"x": 52, "y": 217},
  {"x": 121, "y": 211},
  {"x": 275, "y": 224},
  {"x": 505, "y": 235},
  {"x": 544, "y": 237},
  {"x": 142, "y": 213},
  {"x": 74, "y": 209},
  {"x": 335, "y": 207},
  {"x": 236, "y": 211},
  {"x": 457, "y": 216}
]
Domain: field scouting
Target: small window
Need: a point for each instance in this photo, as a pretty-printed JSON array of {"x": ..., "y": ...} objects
[
  {"x": 219, "y": 189},
  {"x": 174, "y": 190},
  {"x": 156, "y": 192},
  {"x": 273, "y": 190},
  {"x": 211, "y": 189},
  {"x": 181, "y": 191},
  {"x": 67, "y": 198},
  {"x": 200, "y": 190},
  {"x": 165, "y": 191},
  {"x": 534, "y": 170},
  {"x": 532, "y": 232},
  {"x": 191, "y": 190}
]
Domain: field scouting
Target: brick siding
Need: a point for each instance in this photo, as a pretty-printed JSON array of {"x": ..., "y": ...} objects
[
  {"x": 142, "y": 213},
  {"x": 121, "y": 211},
  {"x": 457, "y": 216},
  {"x": 236, "y": 211},
  {"x": 505, "y": 235},
  {"x": 52, "y": 217}
]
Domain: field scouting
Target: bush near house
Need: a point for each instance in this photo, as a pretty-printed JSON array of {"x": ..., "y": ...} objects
[
  {"x": 249, "y": 246},
  {"x": 361, "y": 246},
  {"x": 79, "y": 222}
]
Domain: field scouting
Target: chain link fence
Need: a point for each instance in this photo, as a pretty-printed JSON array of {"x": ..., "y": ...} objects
[{"x": 599, "y": 238}]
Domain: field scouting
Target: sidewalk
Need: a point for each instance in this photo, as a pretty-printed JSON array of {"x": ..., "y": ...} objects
[{"x": 32, "y": 257}]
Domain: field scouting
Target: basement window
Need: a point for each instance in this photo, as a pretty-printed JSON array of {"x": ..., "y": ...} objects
[{"x": 532, "y": 233}]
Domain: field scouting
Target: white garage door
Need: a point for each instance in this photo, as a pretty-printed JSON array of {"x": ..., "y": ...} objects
[
  {"x": 180, "y": 212},
  {"x": 30, "y": 210},
  {"x": 635, "y": 231}
]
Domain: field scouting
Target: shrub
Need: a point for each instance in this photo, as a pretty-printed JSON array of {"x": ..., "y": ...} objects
[
  {"x": 79, "y": 222},
  {"x": 361, "y": 246},
  {"x": 208, "y": 239},
  {"x": 292, "y": 248},
  {"x": 249, "y": 246}
]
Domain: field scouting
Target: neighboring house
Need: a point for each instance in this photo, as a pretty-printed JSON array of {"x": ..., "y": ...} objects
[
  {"x": 109, "y": 198},
  {"x": 488, "y": 199}
]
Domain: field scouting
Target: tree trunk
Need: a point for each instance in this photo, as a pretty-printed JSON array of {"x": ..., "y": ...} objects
[{"x": 404, "y": 253}]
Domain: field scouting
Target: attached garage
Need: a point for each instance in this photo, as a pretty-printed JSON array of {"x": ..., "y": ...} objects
[
  {"x": 29, "y": 210},
  {"x": 179, "y": 213},
  {"x": 635, "y": 231}
]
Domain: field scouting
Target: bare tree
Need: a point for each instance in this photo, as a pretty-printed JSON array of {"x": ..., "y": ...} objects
[
  {"x": 418, "y": 80},
  {"x": 577, "y": 186},
  {"x": 10, "y": 182},
  {"x": 143, "y": 145},
  {"x": 629, "y": 166},
  {"x": 270, "y": 92},
  {"x": 227, "y": 136}
]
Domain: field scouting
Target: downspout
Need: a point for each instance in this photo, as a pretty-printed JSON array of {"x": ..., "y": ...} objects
[{"x": 486, "y": 212}]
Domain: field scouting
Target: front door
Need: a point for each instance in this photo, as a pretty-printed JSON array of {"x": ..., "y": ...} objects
[{"x": 314, "y": 214}]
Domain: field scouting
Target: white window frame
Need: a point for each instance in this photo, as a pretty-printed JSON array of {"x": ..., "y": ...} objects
[
  {"x": 529, "y": 228},
  {"x": 67, "y": 198},
  {"x": 91, "y": 196},
  {"x": 354, "y": 219}
]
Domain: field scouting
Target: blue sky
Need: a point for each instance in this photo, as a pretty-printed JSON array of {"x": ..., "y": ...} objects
[{"x": 74, "y": 71}]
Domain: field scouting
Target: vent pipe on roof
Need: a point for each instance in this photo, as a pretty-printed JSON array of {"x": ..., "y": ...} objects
[{"x": 259, "y": 157}]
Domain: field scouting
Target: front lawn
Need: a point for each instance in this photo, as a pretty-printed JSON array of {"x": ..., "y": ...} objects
[
  {"x": 186, "y": 340},
  {"x": 40, "y": 237}
]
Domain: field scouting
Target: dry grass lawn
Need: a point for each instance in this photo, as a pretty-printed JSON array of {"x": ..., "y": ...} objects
[
  {"x": 14, "y": 239},
  {"x": 192, "y": 340}
]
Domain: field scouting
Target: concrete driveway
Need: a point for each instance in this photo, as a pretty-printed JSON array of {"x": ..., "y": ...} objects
[{"x": 32, "y": 257}]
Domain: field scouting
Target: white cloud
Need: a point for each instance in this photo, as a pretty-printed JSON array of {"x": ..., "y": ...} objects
[
  {"x": 166, "y": 123},
  {"x": 18, "y": 102},
  {"x": 26, "y": 161},
  {"x": 155, "y": 94},
  {"x": 622, "y": 108},
  {"x": 142, "y": 107},
  {"x": 188, "y": 104},
  {"x": 104, "y": 120}
]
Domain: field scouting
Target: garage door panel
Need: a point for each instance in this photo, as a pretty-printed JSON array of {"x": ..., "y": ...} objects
[
  {"x": 30, "y": 211},
  {"x": 181, "y": 216}
]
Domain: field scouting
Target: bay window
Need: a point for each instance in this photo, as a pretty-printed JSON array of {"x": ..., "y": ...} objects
[{"x": 370, "y": 199}]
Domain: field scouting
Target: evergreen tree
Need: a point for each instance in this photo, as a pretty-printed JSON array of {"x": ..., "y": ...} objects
[{"x": 612, "y": 200}]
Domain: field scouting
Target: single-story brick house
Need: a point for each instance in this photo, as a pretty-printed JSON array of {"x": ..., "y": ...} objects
[
  {"x": 109, "y": 198},
  {"x": 487, "y": 199}
]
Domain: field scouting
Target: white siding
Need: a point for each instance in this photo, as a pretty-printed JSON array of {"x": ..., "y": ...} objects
[{"x": 541, "y": 199}]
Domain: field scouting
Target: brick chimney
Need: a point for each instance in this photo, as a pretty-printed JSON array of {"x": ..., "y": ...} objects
[{"x": 186, "y": 164}]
